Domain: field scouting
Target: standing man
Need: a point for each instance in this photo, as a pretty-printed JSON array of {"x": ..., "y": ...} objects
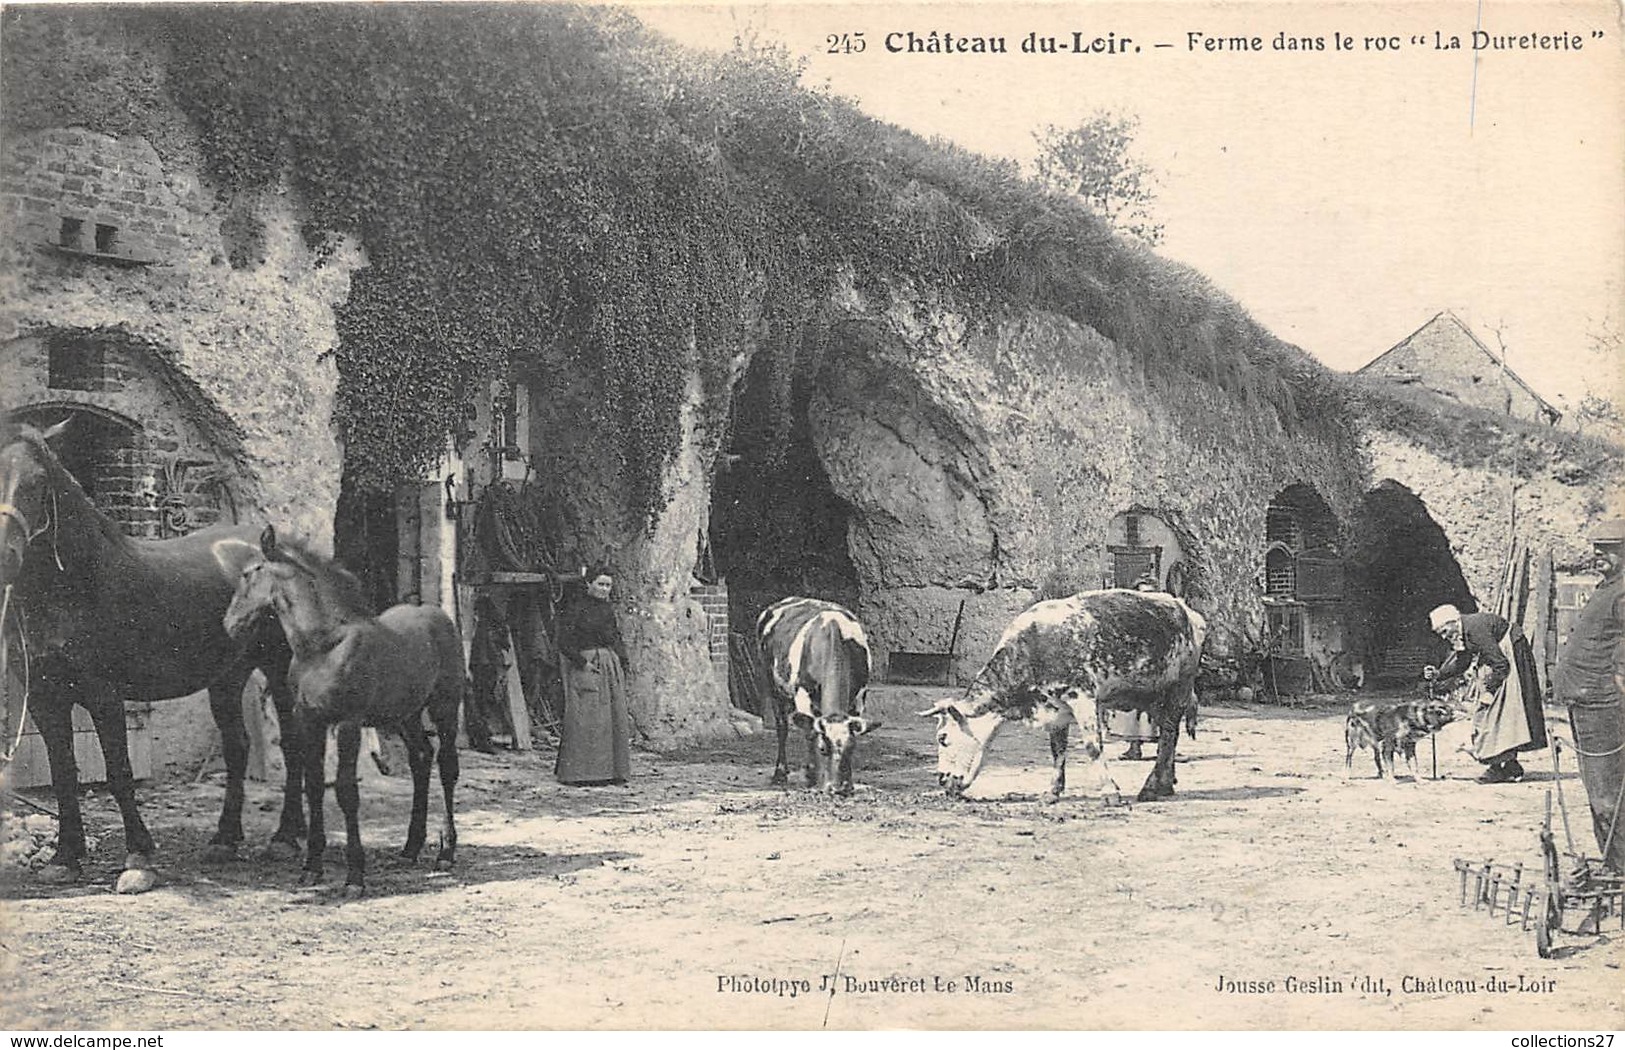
[
  {"x": 1509, "y": 717},
  {"x": 1590, "y": 679}
]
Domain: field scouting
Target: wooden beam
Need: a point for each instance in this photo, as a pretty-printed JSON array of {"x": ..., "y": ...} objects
[{"x": 517, "y": 711}]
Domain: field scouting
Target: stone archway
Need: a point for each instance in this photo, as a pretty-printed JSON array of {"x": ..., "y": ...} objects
[
  {"x": 868, "y": 491},
  {"x": 776, "y": 525},
  {"x": 1400, "y": 566}
]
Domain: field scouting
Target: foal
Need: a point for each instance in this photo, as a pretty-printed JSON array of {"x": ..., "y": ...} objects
[{"x": 350, "y": 669}]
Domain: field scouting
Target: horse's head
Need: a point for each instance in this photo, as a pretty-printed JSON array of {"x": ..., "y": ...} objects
[
  {"x": 308, "y": 593},
  {"x": 26, "y": 506},
  {"x": 260, "y": 575}
]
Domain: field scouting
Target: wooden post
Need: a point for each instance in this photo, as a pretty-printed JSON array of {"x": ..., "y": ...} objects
[
  {"x": 258, "y": 723},
  {"x": 516, "y": 699},
  {"x": 464, "y": 595},
  {"x": 1538, "y": 617}
]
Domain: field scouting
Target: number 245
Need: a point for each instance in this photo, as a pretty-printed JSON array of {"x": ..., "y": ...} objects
[{"x": 845, "y": 44}]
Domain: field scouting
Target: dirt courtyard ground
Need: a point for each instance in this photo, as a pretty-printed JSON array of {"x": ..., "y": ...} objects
[{"x": 701, "y": 897}]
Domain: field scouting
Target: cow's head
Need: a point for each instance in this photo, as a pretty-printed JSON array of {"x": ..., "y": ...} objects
[
  {"x": 836, "y": 737},
  {"x": 961, "y": 744}
]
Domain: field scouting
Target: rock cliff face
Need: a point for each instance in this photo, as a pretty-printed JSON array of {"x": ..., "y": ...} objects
[{"x": 984, "y": 463}]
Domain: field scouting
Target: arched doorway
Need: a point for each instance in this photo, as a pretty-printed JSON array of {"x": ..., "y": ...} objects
[
  {"x": 102, "y": 450},
  {"x": 1400, "y": 566}
]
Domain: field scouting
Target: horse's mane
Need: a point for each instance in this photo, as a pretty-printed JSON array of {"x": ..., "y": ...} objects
[{"x": 339, "y": 588}]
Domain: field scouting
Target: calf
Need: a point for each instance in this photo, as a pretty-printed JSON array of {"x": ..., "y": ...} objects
[
  {"x": 1391, "y": 728},
  {"x": 1061, "y": 662},
  {"x": 818, "y": 664}
]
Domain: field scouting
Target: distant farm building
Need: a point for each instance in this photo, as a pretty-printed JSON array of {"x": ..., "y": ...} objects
[{"x": 1444, "y": 356}]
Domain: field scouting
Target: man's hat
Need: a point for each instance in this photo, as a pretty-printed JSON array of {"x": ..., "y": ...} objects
[{"x": 1609, "y": 533}]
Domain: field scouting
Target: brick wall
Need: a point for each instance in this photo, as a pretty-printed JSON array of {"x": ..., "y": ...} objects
[
  {"x": 85, "y": 193},
  {"x": 141, "y": 455},
  {"x": 91, "y": 194},
  {"x": 223, "y": 310},
  {"x": 713, "y": 597}
]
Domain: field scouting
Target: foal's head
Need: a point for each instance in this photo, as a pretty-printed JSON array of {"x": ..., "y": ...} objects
[
  {"x": 286, "y": 579},
  {"x": 26, "y": 505}
]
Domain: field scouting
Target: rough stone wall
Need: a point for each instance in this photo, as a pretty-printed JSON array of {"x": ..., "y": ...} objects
[
  {"x": 984, "y": 463},
  {"x": 226, "y": 294},
  {"x": 678, "y": 693},
  {"x": 1480, "y": 509},
  {"x": 1445, "y": 357},
  {"x": 217, "y": 313}
]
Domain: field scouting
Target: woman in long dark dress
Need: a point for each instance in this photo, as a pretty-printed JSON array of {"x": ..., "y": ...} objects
[{"x": 593, "y": 747}]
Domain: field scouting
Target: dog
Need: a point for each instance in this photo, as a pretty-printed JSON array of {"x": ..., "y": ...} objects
[{"x": 1390, "y": 728}]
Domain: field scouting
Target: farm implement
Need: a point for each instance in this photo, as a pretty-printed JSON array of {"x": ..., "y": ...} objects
[{"x": 1570, "y": 892}]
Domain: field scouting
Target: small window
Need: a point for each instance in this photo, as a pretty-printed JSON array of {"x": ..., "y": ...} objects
[
  {"x": 75, "y": 365},
  {"x": 1280, "y": 574},
  {"x": 71, "y": 234},
  {"x": 1130, "y": 566},
  {"x": 106, "y": 237},
  {"x": 507, "y": 420}
]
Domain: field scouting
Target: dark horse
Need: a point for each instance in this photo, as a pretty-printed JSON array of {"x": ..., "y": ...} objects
[
  {"x": 107, "y": 618},
  {"x": 353, "y": 669}
]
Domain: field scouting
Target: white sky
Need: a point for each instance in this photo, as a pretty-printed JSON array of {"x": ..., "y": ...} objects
[{"x": 1343, "y": 198}]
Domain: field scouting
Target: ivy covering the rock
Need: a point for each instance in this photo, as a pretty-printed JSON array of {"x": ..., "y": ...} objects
[{"x": 527, "y": 179}]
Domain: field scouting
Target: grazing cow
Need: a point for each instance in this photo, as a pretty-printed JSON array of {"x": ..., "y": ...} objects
[
  {"x": 1065, "y": 660},
  {"x": 818, "y": 664},
  {"x": 1393, "y": 729}
]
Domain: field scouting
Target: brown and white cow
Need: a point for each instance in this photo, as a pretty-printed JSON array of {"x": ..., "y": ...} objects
[
  {"x": 1068, "y": 660},
  {"x": 818, "y": 665}
]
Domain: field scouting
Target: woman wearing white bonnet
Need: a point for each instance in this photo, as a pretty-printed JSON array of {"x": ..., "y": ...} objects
[
  {"x": 1509, "y": 717},
  {"x": 1443, "y": 616}
]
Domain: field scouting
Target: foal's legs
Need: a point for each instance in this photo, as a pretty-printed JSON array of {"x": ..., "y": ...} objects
[
  {"x": 312, "y": 736},
  {"x": 226, "y": 704},
  {"x": 291, "y": 826},
  {"x": 107, "y": 712},
  {"x": 347, "y": 787},
  {"x": 419, "y": 755}
]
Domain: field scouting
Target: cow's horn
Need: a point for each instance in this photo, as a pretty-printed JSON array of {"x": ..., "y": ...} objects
[{"x": 936, "y": 709}]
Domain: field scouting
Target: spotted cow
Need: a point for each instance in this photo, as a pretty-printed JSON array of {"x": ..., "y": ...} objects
[
  {"x": 818, "y": 666},
  {"x": 1068, "y": 660}
]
